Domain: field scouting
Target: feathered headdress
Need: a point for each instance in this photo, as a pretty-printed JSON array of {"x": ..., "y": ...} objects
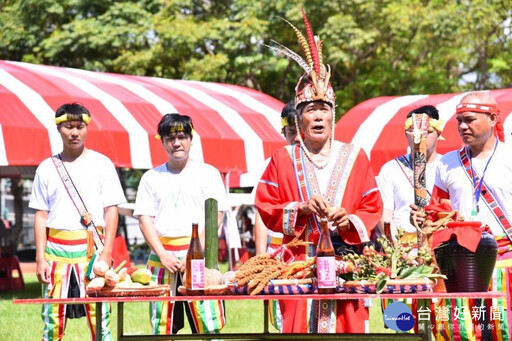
[{"x": 314, "y": 84}]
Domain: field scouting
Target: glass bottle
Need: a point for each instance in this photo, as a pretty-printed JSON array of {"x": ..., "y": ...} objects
[
  {"x": 195, "y": 274},
  {"x": 325, "y": 261},
  {"x": 387, "y": 231}
]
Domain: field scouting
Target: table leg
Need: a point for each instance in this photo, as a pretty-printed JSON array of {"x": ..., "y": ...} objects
[
  {"x": 99, "y": 314},
  {"x": 265, "y": 316},
  {"x": 120, "y": 320}
]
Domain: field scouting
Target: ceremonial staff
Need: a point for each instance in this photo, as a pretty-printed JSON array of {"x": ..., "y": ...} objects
[{"x": 421, "y": 126}]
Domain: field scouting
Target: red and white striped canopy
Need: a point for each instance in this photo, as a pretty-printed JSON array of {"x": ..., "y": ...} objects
[
  {"x": 236, "y": 128},
  {"x": 377, "y": 125}
]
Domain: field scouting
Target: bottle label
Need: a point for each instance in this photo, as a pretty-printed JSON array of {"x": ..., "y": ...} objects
[
  {"x": 326, "y": 272},
  {"x": 197, "y": 275}
]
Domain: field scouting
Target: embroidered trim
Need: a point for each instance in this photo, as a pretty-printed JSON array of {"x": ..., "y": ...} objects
[
  {"x": 349, "y": 153},
  {"x": 290, "y": 218},
  {"x": 360, "y": 228},
  {"x": 326, "y": 313},
  {"x": 269, "y": 183},
  {"x": 308, "y": 184},
  {"x": 374, "y": 189}
]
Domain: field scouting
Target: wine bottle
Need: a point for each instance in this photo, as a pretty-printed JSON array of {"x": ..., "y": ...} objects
[
  {"x": 325, "y": 261},
  {"x": 195, "y": 274}
]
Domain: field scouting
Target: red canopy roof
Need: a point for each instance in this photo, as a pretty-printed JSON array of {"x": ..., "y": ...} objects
[
  {"x": 377, "y": 125},
  {"x": 236, "y": 128}
]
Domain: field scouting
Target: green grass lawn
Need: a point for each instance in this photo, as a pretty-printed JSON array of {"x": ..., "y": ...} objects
[{"x": 23, "y": 321}]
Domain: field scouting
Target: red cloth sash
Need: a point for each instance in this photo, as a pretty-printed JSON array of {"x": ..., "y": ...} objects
[{"x": 467, "y": 234}]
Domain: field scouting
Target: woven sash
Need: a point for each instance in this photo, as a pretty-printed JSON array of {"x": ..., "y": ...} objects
[
  {"x": 488, "y": 197},
  {"x": 77, "y": 201}
]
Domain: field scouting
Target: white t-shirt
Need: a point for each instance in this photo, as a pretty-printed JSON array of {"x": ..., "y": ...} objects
[
  {"x": 452, "y": 178},
  {"x": 177, "y": 200},
  {"x": 397, "y": 190},
  {"x": 95, "y": 179}
]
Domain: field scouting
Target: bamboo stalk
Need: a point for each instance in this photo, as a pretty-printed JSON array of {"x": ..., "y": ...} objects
[{"x": 211, "y": 235}]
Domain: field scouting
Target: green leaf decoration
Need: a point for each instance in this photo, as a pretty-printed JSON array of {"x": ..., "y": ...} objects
[{"x": 381, "y": 284}]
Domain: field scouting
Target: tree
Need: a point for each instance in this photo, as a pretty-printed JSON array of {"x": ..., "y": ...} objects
[{"x": 388, "y": 47}]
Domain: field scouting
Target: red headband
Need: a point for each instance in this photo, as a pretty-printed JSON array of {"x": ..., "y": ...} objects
[{"x": 484, "y": 109}]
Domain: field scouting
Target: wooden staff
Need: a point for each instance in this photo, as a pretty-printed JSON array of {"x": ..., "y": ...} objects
[{"x": 421, "y": 125}]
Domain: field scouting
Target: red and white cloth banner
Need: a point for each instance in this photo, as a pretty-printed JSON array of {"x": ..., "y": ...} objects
[
  {"x": 236, "y": 128},
  {"x": 377, "y": 125}
]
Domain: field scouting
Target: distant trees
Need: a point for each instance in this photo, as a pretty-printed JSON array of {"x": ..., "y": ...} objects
[{"x": 374, "y": 48}]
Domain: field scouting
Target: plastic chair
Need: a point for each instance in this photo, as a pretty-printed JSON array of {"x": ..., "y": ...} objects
[{"x": 8, "y": 267}]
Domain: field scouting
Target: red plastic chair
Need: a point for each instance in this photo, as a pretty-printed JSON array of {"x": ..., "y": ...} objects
[{"x": 8, "y": 268}]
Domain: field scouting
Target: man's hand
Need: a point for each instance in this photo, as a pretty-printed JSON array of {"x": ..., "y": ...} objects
[
  {"x": 183, "y": 265},
  {"x": 43, "y": 272},
  {"x": 171, "y": 263},
  {"x": 106, "y": 257},
  {"x": 317, "y": 204},
  {"x": 339, "y": 218},
  {"x": 417, "y": 216}
]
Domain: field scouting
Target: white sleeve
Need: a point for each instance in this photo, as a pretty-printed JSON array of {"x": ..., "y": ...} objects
[
  {"x": 440, "y": 175},
  {"x": 214, "y": 188},
  {"x": 386, "y": 188},
  {"x": 111, "y": 191},
  {"x": 39, "y": 195},
  {"x": 145, "y": 201}
]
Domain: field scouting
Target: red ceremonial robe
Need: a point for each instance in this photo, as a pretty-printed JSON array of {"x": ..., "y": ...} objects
[{"x": 290, "y": 179}]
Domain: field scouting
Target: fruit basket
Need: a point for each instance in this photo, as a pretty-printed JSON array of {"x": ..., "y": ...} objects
[{"x": 155, "y": 290}]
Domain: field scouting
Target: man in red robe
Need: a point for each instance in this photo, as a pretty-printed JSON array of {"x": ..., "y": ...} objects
[{"x": 319, "y": 178}]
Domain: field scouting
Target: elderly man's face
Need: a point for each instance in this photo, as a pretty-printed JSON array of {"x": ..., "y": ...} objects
[{"x": 317, "y": 121}]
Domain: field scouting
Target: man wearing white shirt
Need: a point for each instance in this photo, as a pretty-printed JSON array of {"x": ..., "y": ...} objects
[
  {"x": 169, "y": 199},
  {"x": 477, "y": 180},
  {"x": 64, "y": 245},
  {"x": 395, "y": 179}
]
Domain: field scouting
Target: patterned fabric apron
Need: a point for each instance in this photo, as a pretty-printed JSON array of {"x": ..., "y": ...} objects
[
  {"x": 66, "y": 253},
  {"x": 207, "y": 316}
]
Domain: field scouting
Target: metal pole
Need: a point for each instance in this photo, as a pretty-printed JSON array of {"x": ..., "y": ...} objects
[{"x": 211, "y": 236}]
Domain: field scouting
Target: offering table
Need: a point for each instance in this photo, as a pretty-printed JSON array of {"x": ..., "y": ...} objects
[{"x": 265, "y": 335}]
